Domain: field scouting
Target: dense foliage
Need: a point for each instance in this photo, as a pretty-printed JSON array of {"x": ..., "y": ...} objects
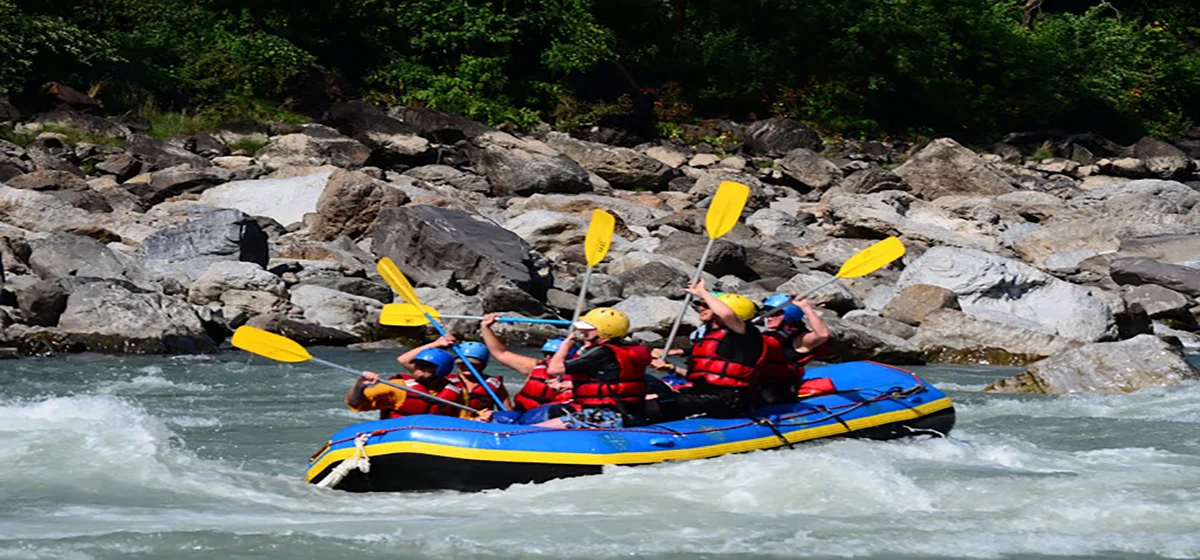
[{"x": 968, "y": 68}]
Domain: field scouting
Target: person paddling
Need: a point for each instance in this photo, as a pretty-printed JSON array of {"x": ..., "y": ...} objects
[
  {"x": 608, "y": 379},
  {"x": 721, "y": 364},
  {"x": 540, "y": 388},
  {"x": 473, "y": 394},
  {"x": 789, "y": 344},
  {"x": 429, "y": 367}
]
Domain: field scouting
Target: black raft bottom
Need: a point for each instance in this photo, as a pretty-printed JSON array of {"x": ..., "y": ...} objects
[{"x": 417, "y": 472}]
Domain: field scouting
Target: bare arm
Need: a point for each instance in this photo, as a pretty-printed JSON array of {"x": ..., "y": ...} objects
[
  {"x": 355, "y": 399},
  {"x": 815, "y": 337},
  {"x": 521, "y": 364},
  {"x": 406, "y": 359},
  {"x": 718, "y": 307},
  {"x": 558, "y": 362}
]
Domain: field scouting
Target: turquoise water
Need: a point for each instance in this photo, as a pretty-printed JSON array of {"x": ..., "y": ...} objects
[{"x": 108, "y": 457}]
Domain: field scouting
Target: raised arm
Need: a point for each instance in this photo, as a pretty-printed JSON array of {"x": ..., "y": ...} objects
[
  {"x": 558, "y": 362},
  {"x": 406, "y": 359},
  {"x": 718, "y": 307},
  {"x": 521, "y": 364},
  {"x": 817, "y": 335}
]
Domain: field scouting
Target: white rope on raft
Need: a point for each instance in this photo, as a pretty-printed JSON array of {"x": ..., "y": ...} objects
[{"x": 359, "y": 461}]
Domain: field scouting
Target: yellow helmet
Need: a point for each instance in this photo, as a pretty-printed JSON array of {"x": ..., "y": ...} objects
[
  {"x": 608, "y": 322},
  {"x": 741, "y": 305}
]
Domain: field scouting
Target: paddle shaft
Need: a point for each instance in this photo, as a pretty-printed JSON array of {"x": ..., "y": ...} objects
[
  {"x": 458, "y": 352},
  {"x": 687, "y": 300},
  {"x": 556, "y": 322},
  {"x": 417, "y": 394},
  {"x": 587, "y": 279}
]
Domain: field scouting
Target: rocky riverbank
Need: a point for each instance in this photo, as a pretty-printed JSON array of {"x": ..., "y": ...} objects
[{"x": 1083, "y": 254}]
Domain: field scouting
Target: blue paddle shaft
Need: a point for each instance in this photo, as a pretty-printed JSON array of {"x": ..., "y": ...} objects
[
  {"x": 458, "y": 352},
  {"x": 556, "y": 322}
]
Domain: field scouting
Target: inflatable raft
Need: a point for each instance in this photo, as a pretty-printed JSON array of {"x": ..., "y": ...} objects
[{"x": 439, "y": 452}]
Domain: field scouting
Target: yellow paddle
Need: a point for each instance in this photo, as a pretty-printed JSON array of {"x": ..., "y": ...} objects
[
  {"x": 862, "y": 263},
  {"x": 409, "y": 315},
  {"x": 394, "y": 278},
  {"x": 595, "y": 246},
  {"x": 723, "y": 213},
  {"x": 283, "y": 349}
]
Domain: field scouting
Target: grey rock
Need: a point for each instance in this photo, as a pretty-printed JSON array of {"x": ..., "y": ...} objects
[
  {"x": 500, "y": 297},
  {"x": 548, "y": 232},
  {"x": 523, "y": 166},
  {"x": 220, "y": 235},
  {"x": 307, "y": 334},
  {"x": 1162, "y": 159},
  {"x": 1162, "y": 304},
  {"x": 810, "y": 169},
  {"x": 669, "y": 154},
  {"x": 424, "y": 239},
  {"x": 41, "y": 301},
  {"x": 623, "y": 168},
  {"x": 776, "y": 137},
  {"x": 112, "y": 318},
  {"x": 950, "y": 336},
  {"x": 393, "y": 142},
  {"x": 334, "y": 309},
  {"x": 285, "y": 200},
  {"x": 854, "y": 342},
  {"x": 174, "y": 181},
  {"x": 350, "y": 205},
  {"x": 707, "y": 184},
  {"x": 893, "y": 213},
  {"x": 449, "y": 176},
  {"x": 725, "y": 257},
  {"x": 1012, "y": 292},
  {"x": 834, "y": 296},
  {"x": 222, "y": 276},
  {"x": 1137, "y": 271},
  {"x": 914, "y": 302},
  {"x": 883, "y": 324},
  {"x": 656, "y": 314},
  {"x": 654, "y": 279},
  {"x": 443, "y": 128},
  {"x": 157, "y": 154},
  {"x": 61, "y": 256},
  {"x": 628, "y": 212},
  {"x": 1106, "y": 368},
  {"x": 312, "y": 148},
  {"x": 122, "y": 166},
  {"x": 945, "y": 167},
  {"x": 873, "y": 179}
]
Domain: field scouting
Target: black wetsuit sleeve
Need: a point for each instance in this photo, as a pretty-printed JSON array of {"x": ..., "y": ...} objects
[{"x": 597, "y": 361}]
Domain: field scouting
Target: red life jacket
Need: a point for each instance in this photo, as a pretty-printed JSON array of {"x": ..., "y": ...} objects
[
  {"x": 537, "y": 393},
  {"x": 705, "y": 364},
  {"x": 776, "y": 369},
  {"x": 478, "y": 397},
  {"x": 628, "y": 392},
  {"x": 414, "y": 405}
]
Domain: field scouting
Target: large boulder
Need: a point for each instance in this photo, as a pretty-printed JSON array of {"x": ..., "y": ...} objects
[
  {"x": 1162, "y": 159},
  {"x": 60, "y": 256},
  {"x": 777, "y": 137},
  {"x": 315, "y": 145},
  {"x": 1011, "y": 292},
  {"x": 654, "y": 279},
  {"x": 871, "y": 180},
  {"x": 350, "y": 205},
  {"x": 894, "y": 213},
  {"x": 334, "y": 309},
  {"x": 175, "y": 181},
  {"x": 912, "y": 304},
  {"x": 424, "y": 240},
  {"x": 443, "y": 175},
  {"x": 1103, "y": 218},
  {"x": 285, "y": 200},
  {"x": 623, "y": 168},
  {"x": 945, "y": 167},
  {"x": 307, "y": 334},
  {"x": 220, "y": 235},
  {"x": 851, "y": 342},
  {"x": 113, "y": 317},
  {"x": 581, "y": 205},
  {"x": 63, "y": 186},
  {"x": 524, "y": 166},
  {"x": 41, "y": 301},
  {"x": 724, "y": 258},
  {"x": 709, "y": 181},
  {"x": 810, "y": 169},
  {"x": 157, "y": 154},
  {"x": 832, "y": 296},
  {"x": 1138, "y": 271},
  {"x": 548, "y": 232},
  {"x": 223, "y": 276},
  {"x": 1162, "y": 304},
  {"x": 394, "y": 142},
  {"x": 443, "y": 128},
  {"x": 949, "y": 336},
  {"x": 1106, "y": 368},
  {"x": 656, "y": 314}
]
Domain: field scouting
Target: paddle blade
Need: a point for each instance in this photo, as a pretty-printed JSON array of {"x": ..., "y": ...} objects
[
  {"x": 269, "y": 345},
  {"x": 406, "y": 315},
  {"x": 599, "y": 236},
  {"x": 394, "y": 278},
  {"x": 872, "y": 258},
  {"x": 726, "y": 208}
]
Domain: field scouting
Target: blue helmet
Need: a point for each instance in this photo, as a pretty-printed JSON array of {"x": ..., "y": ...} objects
[
  {"x": 441, "y": 359},
  {"x": 475, "y": 350},
  {"x": 791, "y": 313},
  {"x": 551, "y": 346}
]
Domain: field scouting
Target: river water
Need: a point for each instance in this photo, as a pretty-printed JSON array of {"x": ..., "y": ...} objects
[{"x": 106, "y": 457}]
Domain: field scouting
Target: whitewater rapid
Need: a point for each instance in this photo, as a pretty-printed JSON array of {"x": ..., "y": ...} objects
[{"x": 158, "y": 458}]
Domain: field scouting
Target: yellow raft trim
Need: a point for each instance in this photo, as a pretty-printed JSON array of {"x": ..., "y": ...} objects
[{"x": 631, "y": 458}]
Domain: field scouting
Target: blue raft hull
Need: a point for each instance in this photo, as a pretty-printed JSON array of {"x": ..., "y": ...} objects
[{"x": 429, "y": 452}]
